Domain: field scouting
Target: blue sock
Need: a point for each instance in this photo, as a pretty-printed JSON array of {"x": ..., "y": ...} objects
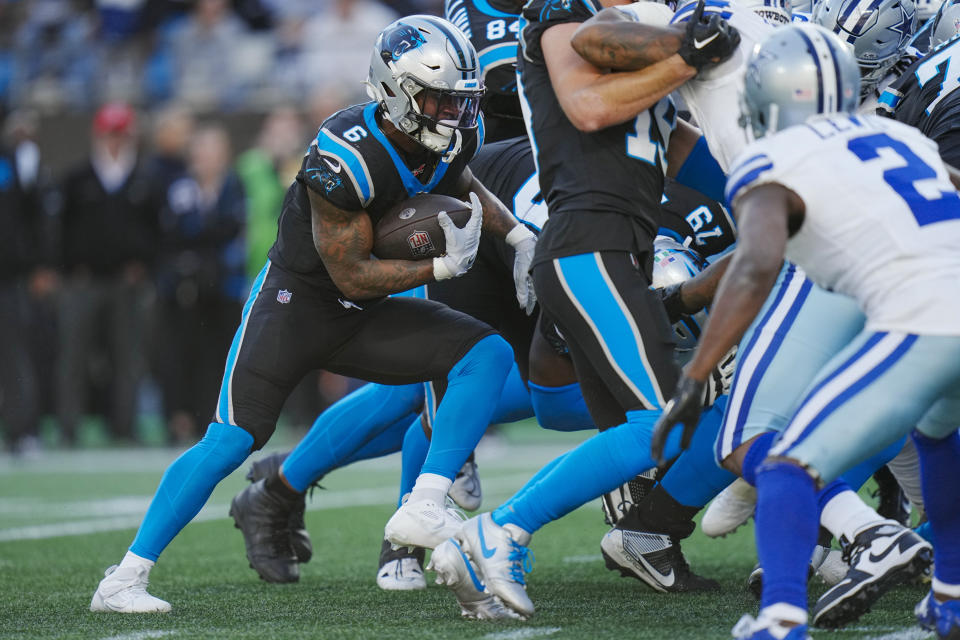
[
  {"x": 857, "y": 476},
  {"x": 415, "y": 445},
  {"x": 473, "y": 389},
  {"x": 786, "y": 531},
  {"x": 347, "y": 426},
  {"x": 597, "y": 466},
  {"x": 560, "y": 408},
  {"x": 514, "y": 401},
  {"x": 696, "y": 478},
  {"x": 756, "y": 454},
  {"x": 826, "y": 494},
  {"x": 939, "y": 461},
  {"x": 702, "y": 172},
  {"x": 187, "y": 484},
  {"x": 390, "y": 441}
]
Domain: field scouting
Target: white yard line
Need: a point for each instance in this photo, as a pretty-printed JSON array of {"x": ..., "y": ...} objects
[
  {"x": 126, "y": 513},
  {"x": 141, "y": 635},
  {"x": 593, "y": 557},
  {"x": 520, "y": 634},
  {"x": 913, "y": 633}
]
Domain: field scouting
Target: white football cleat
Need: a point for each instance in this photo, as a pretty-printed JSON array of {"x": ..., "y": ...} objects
[
  {"x": 124, "y": 590},
  {"x": 422, "y": 524},
  {"x": 829, "y": 565},
  {"x": 730, "y": 509},
  {"x": 502, "y": 557},
  {"x": 466, "y": 490},
  {"x": 456, "y": 572},
  {"x": 402, "y": 574}
]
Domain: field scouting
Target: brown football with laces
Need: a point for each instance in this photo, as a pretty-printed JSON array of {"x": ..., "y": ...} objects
[{"x": 411, "y": 231}]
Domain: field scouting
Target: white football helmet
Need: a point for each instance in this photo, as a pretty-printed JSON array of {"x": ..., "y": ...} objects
[
  {"x": 878, "y": 32},
  {"x": 946, "y": 24},
  {"x": 674, "y": 263},
  {"x": 425, "y": 75},
  {"x": 796, "y": 72},
  {"x": 775, "y": 12}
]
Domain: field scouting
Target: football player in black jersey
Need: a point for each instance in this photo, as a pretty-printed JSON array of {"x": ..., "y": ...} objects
[
  {"x": 320, "y": 302},
  {"x": 602, "y": 150},
  {"x": 925, "y": 96},
  {"x": 494, "y": 34}
]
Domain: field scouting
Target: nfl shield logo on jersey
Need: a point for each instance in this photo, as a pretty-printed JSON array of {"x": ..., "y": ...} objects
[
  {"x": 283, "y": 296},
  {"x": 420, "y": 243}
]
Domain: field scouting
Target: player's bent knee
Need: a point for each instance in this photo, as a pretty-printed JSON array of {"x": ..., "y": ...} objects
[
  {"x": 491, "y": 353},
  {"x": 560, "y": 408},
  {"x": 227, "y": 444}
]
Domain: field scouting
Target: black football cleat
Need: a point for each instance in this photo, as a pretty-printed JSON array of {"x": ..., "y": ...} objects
[
  {"x": 653, "y": 558},
  {"x": 268, "y": 467},
  {"x": 264, "y": 519},
  {"x": 401, "y": 569},
  {"x": 880, "y": 558}
]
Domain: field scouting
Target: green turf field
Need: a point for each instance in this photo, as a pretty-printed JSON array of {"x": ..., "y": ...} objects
[{"x": 66, "y": 516}]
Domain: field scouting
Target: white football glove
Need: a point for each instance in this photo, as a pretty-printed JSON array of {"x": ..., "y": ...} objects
[
  {"x": 462, "y": 243},
  {"x": 524, "y": 242}
]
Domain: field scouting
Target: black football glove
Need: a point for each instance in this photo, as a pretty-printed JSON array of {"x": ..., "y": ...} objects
[
  {"x": 683, "y": 408},
  {"x": 672, "y": 302},
  {"x": 708, "y": 40}
]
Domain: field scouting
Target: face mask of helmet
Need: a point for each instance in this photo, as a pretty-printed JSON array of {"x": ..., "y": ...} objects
[{"x": 441, "y": 114}]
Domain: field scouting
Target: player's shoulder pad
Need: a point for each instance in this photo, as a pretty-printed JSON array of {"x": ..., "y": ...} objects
[
  {"x": 651, "y": 13},
  {"x": 559, "y": 10},
  {"x": 337, "y": 149},
  {"x": 754, "y": 166}
]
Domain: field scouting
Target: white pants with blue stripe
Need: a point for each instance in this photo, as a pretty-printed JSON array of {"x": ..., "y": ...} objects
[
  {"x": 871, "y": 394},
  {"x": 798, "y": 330}
]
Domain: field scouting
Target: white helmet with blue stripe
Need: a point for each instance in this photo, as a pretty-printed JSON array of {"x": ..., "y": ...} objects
[
  {"x": 878, "y": 31},
  {"x": 425, "y": 75},
  {"x": 796, "y": 72},
  {"x": 946, "y": 24},
  {"x": 674, "y": 263},
  {"x": 775, "y": 12}
]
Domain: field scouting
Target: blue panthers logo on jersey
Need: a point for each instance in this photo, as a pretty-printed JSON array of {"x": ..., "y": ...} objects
[
  {"x": 399, "y": 40},
  {"x": 327, "y": 179},
  {"x": 554, "y": 6}
]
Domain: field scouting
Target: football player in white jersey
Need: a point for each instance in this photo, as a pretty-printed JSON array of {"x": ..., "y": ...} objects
[
  {"x": 789, "y": 342},
  {"x": 867, "y": 207}
]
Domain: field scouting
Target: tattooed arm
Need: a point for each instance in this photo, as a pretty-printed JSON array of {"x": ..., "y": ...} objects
[
  {"x": 610, "y": 40},
  {"x": 344, "y": 240},
  {"x": 593, "y": 99},
  {"x": 497, "y": 218}
]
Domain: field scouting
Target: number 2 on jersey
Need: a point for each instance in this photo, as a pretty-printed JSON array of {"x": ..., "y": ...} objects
[{"x": 943, "y": 206}]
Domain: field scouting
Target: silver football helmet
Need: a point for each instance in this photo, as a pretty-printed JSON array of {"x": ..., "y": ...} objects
[
  {"x": 674, "y": 263},
  {"x": 878, "y": 32},
  {"x": 796, "y": 72},
  {"x": 425, "y": 75},
  {"x": 946, "y": 24}
]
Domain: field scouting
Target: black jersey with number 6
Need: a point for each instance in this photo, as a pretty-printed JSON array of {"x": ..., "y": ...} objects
[
  {"x": 352, "y": 164},
  {"x": 603, "y": 188}
]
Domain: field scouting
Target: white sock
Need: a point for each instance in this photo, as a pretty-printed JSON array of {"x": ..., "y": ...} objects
[
  {"x": 846, "y": 515},
  {"x": 782, "y": 612},
  {"x": 133, "y": 560},
  {"x": 431, "y": 486},
  {"x": 905, "y": 467},
  {"x": 952, "y": 591}
]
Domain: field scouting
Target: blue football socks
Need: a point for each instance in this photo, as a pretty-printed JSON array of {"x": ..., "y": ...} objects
[
  {"x": 696, "y": 478},
  {"x": 415, "y": 445},
  {"x": 786, "y": 531},
  {"x": 187, "y": 484},
  {"x": 346, "y": 426},
  {"x": 939, "y": 461},
  {"x": 597, "y": 466},
  {"x": 560, "y": 408},
  {"x": 473, "y": 390}
]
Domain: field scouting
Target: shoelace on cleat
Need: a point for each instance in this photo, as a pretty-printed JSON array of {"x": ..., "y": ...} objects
[{"x": 521, "y": 562}]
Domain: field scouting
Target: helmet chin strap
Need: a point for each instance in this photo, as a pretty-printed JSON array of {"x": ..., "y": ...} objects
[{"x": 454, "y": 149}]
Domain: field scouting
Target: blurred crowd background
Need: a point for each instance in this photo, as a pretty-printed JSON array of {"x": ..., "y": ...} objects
[{"x": 145, "y": 148}]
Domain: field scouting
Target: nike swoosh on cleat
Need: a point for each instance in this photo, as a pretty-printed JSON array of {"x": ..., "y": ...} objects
[
  {"x": 478, "y": 585},
  {"x": 487, "y": 553},
  {"x": 894, "y": 545},
  {"x": 700, "y": 44}
]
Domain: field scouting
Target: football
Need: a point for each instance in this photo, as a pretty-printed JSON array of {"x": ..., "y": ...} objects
[{"x": 410, "y": 231}]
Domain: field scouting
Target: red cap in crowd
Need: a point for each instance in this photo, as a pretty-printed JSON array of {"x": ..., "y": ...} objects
[{"x": 114, "y": 117}]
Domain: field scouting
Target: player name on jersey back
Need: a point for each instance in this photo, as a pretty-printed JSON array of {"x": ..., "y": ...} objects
[{"x": 882, "y": 220}]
